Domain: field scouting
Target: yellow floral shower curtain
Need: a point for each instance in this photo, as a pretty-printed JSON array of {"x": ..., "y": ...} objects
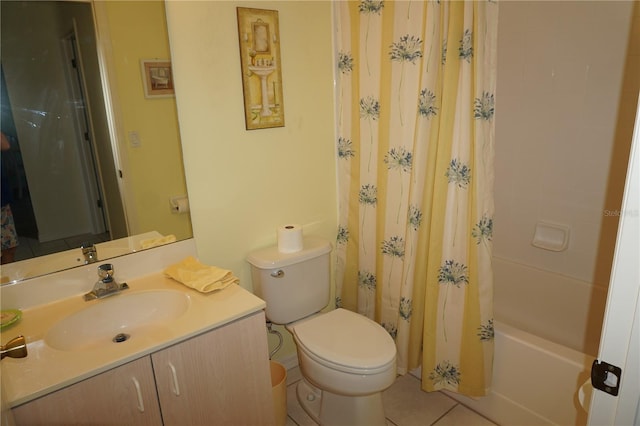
[{"x": 415, "y": 94}]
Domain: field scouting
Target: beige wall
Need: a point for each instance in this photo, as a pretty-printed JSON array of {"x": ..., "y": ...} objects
[
  {"x": 153, "y": 171},
  {"x": 563, "y": 130},
  {"x": 244, "y": 184}
]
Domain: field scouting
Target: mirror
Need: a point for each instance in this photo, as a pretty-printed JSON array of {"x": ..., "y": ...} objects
[{"x": 92, "y": 159}]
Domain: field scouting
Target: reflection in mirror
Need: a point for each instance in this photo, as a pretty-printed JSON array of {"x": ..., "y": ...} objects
[{"x": 91, "y": 159}]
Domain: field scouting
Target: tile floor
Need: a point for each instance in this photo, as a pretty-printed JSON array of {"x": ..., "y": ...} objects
[{"x": 405, "y": 404}]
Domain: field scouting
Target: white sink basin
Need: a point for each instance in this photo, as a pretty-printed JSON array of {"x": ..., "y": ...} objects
[{"x": 116, "y": 319}]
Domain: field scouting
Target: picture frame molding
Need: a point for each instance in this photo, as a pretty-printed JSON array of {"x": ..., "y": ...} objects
[
  {"x": 160, "y": 89},
  {"x": 260, "y": 59}
]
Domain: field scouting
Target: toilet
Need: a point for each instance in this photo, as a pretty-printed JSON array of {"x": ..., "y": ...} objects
[{"x": 346, "y": 359}]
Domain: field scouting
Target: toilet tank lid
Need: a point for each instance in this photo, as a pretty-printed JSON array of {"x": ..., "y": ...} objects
[{"x": 270, "y": 257}]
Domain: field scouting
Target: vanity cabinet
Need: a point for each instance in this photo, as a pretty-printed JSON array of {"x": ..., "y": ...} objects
[
  {"x": 220, "y": 377},
  {"x": 124, "y": 395}
]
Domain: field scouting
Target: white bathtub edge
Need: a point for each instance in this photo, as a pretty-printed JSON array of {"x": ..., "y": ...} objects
[{"x": 535, "y": 381}]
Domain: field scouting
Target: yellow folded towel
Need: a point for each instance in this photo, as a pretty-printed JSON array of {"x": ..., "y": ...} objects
[
  {"x": 203, "y": 278},
  {"x": 155, "y": 242}
]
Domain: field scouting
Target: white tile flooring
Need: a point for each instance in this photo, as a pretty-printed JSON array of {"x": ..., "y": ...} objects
[{"x": 405, "y": 404}]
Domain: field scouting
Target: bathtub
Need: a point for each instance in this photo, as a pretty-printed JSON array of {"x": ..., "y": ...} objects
[{"x": 547, "y": 332}]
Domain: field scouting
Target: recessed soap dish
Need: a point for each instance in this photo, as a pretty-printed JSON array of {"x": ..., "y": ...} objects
[{"x": 551, "y": 236}]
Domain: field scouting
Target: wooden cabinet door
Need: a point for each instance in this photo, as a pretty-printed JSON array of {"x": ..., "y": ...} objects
[
  {"x": 123, "y": 396},
  {"x": 218, "y": 378}
]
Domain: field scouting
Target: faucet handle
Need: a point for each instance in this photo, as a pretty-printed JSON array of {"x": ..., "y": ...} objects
[
  {"x": 105, "y": 272},
  {"x": 15, "y": 348}
]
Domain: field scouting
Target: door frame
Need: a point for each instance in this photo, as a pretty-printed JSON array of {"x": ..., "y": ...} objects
[
  {"x": 82, "y": 120},
  {"x": 620, "y": 339}
]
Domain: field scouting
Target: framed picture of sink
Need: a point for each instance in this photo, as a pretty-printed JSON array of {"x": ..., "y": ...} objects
[
  {"x": 157, "y": 78},
  {"x": 259, "y": 41}
]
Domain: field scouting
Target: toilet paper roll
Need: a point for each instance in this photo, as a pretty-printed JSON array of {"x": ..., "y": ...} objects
[{"x": 289, "y": 238}]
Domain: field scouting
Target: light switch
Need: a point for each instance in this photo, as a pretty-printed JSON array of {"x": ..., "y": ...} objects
[{"x": 134, "y": 139}]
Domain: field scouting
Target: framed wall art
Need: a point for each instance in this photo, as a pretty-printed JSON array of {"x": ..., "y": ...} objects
[
  {"x": 259, "y": 40},
  {"x": 157, "y": 78}
]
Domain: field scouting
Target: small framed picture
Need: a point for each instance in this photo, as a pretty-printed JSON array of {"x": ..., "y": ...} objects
[{"x": 157, "y": 78}]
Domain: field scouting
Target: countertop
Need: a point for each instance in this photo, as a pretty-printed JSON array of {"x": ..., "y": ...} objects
[{"x": 46, "y": 369}]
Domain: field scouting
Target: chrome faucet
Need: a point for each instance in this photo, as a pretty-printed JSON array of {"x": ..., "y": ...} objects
[
  {"x": 89, "y": 252},
  {"x": 106, "y": 285}
]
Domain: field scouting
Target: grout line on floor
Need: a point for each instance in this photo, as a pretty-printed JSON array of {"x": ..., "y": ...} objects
[
  {"x": 444, "y": 414},
  {"x": 390, "y": 422},
  {"x": 292, "y": 420}
]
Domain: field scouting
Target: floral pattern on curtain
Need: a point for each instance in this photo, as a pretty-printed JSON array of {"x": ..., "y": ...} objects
[{"x": 415, "y": 98}]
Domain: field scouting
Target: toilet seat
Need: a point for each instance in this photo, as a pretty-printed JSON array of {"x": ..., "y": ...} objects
[{"x": 346, "y": 341}]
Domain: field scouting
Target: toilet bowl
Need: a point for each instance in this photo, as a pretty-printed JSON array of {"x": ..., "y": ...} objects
[
  {"x": 345, "y": 358},
  {"x": 346, "y": 361},
  {"x": 346, "y": 353}
]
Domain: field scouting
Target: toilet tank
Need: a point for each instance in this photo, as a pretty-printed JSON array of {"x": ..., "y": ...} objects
[{"x": 294, "y": 285}]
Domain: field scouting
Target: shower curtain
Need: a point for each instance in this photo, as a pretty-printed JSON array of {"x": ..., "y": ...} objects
[{"x": 415, "y": 108}]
